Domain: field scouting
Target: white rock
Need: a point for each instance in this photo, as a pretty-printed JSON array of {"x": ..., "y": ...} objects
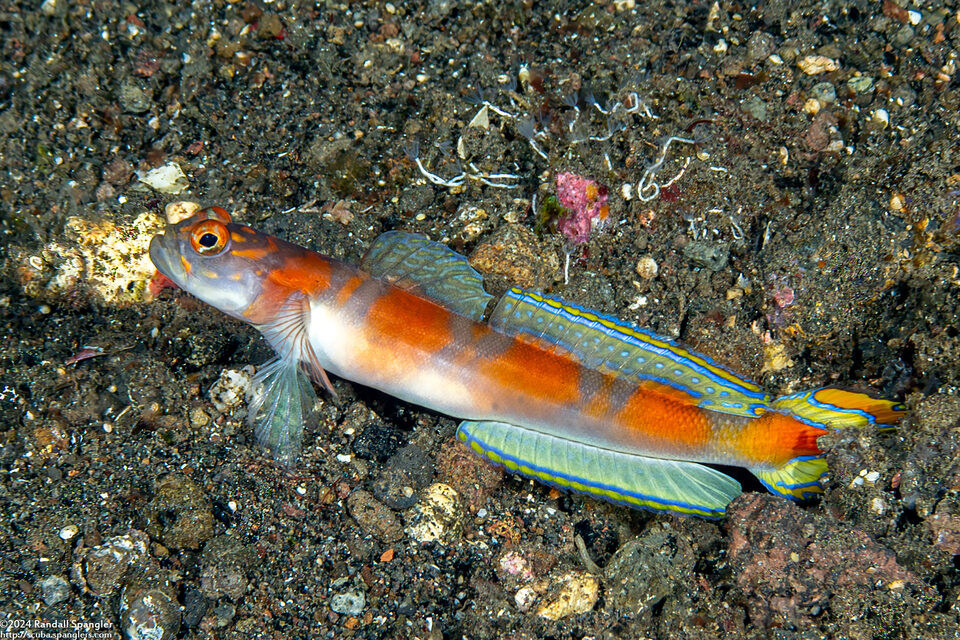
[
  {"x": 230, "y": 388},
  {"x": 577, "y": 594},
  {"x": 69, "y": 532},
  {"x": 169, "y": 178},
  {"x": 436, "y": 518},
  {"x": 481, "y": 120},
  {"x": 647, "y": 268}
]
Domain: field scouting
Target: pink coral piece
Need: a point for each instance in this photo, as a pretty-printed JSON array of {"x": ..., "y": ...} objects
[{"x": 586, "y": 202}]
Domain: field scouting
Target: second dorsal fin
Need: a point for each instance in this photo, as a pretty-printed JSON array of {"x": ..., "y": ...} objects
[
  {"x": 414, "y": 262},
  {"x": 613, "y": 346}
]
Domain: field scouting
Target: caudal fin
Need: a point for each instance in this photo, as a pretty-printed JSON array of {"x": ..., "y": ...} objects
[
  {"x": 799, "y": 479},
  {"x": 830, "y": 408},
  {"x": 827, "y": 409}
]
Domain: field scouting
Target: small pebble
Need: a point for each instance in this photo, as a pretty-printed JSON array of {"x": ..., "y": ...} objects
[
  {"x": 824, "y": 92},
  {"x": 55, "y": 590},
  {"x": 577, "y": 594},
  {"x": 896, "y": 202},
  {"x": 69, "y": 531},
  {"x": 707, "y": 254},
  {"x": 224, "y": 614},
  {"x": 647, "y": 268},
  {"x": 230, "y": 388},
  {"x": 436, "y": 518},
  {"x": 373, "y": 517},
  {"x": 525, "y": 598},
  {"x": 100, "y": 570},
  {"x": 755, "y": 107},
  {"x": 815, "y": 65},
  {"x": 860, "y": 84},
  {"x": 881, "y": 119},
  {"x": 168, "y": 178},
  {"x": 811, "y": 106},
  {"x": 348, "y": 603},
  {"x": 148, "y": 613}
]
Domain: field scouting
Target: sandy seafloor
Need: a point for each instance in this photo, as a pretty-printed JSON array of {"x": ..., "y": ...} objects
[{"x": 812, "y": 238}]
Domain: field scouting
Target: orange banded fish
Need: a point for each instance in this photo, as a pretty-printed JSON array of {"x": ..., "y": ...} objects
[{"x": 548, "y": 389}]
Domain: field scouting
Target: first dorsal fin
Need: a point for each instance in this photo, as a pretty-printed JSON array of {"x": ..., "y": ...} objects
[
  {"x": 414, "y": 262},
  {"x": 612, "y": 346}
]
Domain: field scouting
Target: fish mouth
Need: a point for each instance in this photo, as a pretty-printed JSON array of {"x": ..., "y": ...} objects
[{"x": 164, "y": 253}]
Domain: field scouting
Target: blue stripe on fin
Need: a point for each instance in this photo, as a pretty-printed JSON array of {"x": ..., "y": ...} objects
[
  {"x": 832, "y": 408},
  {"x": 799, "y": 479},
  {"x": 600, "y": 341},
  {"x": 621, "y": 478},
  {"x": 413, "y": 261}
]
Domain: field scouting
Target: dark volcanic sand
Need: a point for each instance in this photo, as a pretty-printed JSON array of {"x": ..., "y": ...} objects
[{"x": 814, "y": 238}]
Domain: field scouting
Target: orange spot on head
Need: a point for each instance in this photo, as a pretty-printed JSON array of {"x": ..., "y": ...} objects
[
  {"x": 237, "y": 237},
  {"x": 256, "y": 253},
  {"x": 186, "y": 263}
]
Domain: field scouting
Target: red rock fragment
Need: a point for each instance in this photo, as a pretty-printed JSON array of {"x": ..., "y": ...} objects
[
  {"x": 946, "y": 532},
  {"x": 818, "y": 133},
  {"x": 792, "y": 564},
  {"x": 893, "y": 10},
  {"x": 472, "y": 477}
]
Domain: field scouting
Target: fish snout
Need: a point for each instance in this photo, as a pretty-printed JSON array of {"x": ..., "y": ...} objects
[{"x": 164, "y": 254}]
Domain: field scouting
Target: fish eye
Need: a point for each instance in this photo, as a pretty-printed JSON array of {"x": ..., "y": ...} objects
[{"x": 209, "y": 237}]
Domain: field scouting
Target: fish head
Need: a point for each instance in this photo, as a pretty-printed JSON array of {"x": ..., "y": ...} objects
[{"x": 222, "y": 263}]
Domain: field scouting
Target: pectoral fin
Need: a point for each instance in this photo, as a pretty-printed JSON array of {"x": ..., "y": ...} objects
[{"x": 280, "y": 401}]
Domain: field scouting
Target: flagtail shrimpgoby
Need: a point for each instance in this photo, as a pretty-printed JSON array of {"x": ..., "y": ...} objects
[{"x": 548, "y": 389}]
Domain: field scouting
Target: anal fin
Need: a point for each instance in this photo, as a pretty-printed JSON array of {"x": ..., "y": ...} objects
[{"x": 636, "y": 481}]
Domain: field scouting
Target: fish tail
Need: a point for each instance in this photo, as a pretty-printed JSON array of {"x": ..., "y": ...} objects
[
  {"x": 280, "y": 399},
  {"x": 822, "y": 410},
  {"x": 836, "y": 409},
  {"x": 798, "y": 479}
]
